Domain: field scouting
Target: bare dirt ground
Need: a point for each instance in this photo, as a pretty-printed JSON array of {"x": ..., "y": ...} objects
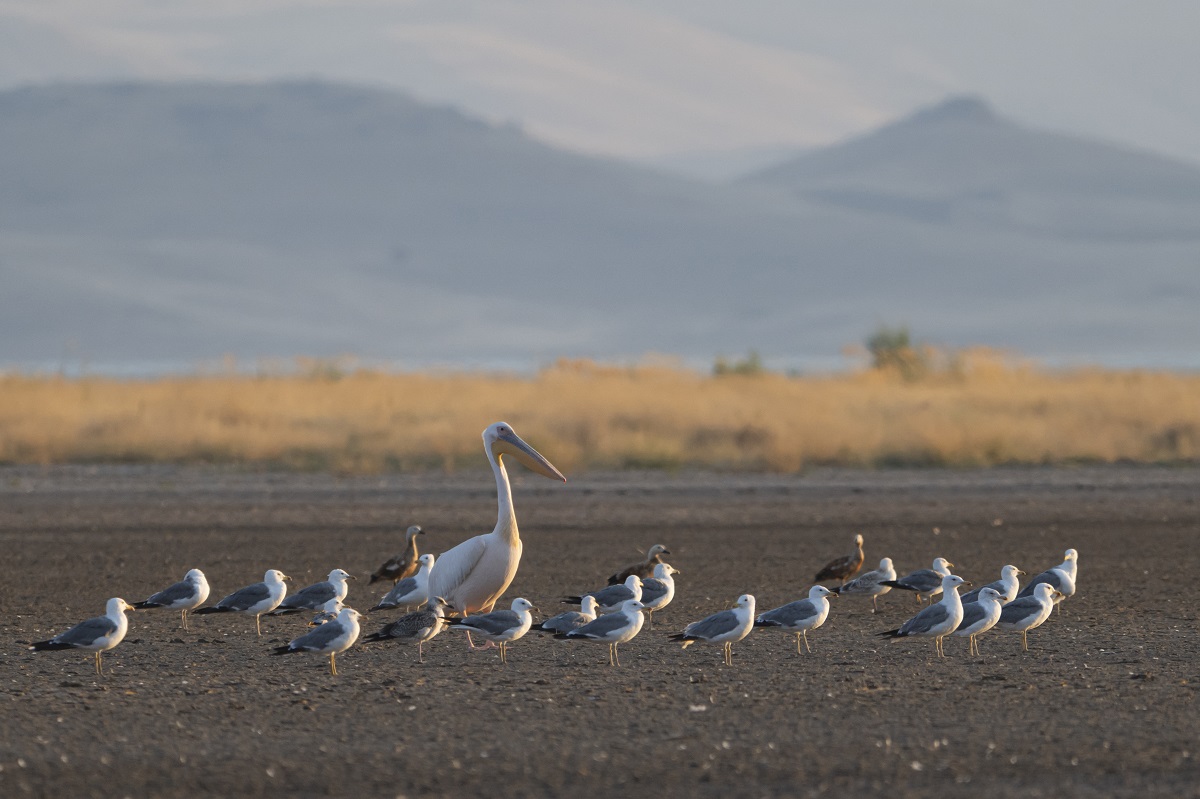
[{"x": 1103, "y": 705}]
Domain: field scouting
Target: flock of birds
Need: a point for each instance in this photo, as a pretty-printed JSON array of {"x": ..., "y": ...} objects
[{"x": 458, "y": 590}]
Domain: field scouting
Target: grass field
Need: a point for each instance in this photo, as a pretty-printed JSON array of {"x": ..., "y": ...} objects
[{"x": 983, "y": 410}]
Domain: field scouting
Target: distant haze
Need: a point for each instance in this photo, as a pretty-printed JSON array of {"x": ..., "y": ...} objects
[{"x": 157, "y": 222}]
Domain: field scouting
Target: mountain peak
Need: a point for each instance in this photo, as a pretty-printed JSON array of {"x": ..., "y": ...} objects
[{"x": 961, "y": 108}]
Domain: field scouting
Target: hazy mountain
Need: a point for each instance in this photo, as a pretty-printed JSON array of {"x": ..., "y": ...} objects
[{"x": 159, "y": 221}]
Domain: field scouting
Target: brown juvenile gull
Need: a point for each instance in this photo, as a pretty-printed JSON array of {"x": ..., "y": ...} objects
[
  {"x": 419, "y": 627},
  {"x": 845, "y": 567},
  {"x": 936, "y": 621},
  {"x": 254, "y": 600},
  {"x": 722, "y": 628},
  {"x": 95, "y": 635},
  {"x": 182, "y": 596},
  {"x": 643, "y": 568},
  {"x": 404, "y": 564},
  {"x": 327, "y": 639},
  {"x": 872, "y": 584},
  {"x": 925, "y": 583}
]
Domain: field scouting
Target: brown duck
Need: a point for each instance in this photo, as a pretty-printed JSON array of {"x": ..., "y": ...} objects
[
  {"x": 845, "y": 567},
  {"x": 403, "y": 565},
  {"x": 643, "y": 569}
]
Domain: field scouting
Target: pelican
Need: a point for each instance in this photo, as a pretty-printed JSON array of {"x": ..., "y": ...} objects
[{"x": 474, "y": 574}]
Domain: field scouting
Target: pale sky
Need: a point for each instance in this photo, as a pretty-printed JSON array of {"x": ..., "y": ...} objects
[{"x": 653, "y": 78}]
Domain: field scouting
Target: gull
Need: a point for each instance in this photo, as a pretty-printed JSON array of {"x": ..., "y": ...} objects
[
  {"x": 477, "y": 572},
  {"x": 572, "y": 619},
  {"x": 643, "y": 568},
  {"x": 610, "y": 597},
  {"x": 182, "y": 596},
  {"x": 1026, "y": 612},
  {"x": 722, "y": 628},
  {"x": 800, "y": 616},
  {"x": 845, "y": 567},
  {"x": 95, "y": 635},
  {"x": 871, "y": 584},
  {"x": 1061, "y": 578},
  {"x": 1006, "y": 586},
  {"x": 615, "y": 628},
  {"x": 500, "y": 626},
  {"x": 254, "y": 600},
  {"x": 659, "y": 590},
  {"x": 329, "y": 638},
  {"x": 312, "y": 597},
  {"x": 328, "y": 612},
  {"x": 927, "y": 583},
  {"x": 410, "y": 591},
  {"x": 419, "y": 626},
  {"x": 936, "y": 621},
  {"x": 404, "y": 564},
  {"x": 980, "y": 616}
]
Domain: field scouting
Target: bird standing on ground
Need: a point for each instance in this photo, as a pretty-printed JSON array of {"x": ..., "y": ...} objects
[
  {"x": 500, "y": 626},
  {"x": 845, "y": 567},
  {"x": 800, "y": 616},
  {"x": 980, "y": 616},
  {"x": 613, "y": 629},
  {"x": 254, "y": 600},
  {"x": 96, "y": 635},
  {"x": 328, "y": 639},
  {"x": 182, "y": 596},
  {"x": 1061, "y": 578},
  {"x": 419, "y": 626},
  {"x": 872, "y": 584},
  {"x": 410, "y": 591},
  {"x": 312, "y": 597},
  {"x": 658, "y": 591},
  {"x": 925, "y": 583},
  {"x": 643, "y": 568},
  {"x": 936, "y": 621},
  {"x": 722, "y": 628},
  {"x": 404, "y": 564},
  {"x": 1027, "y": 612},
  {"x": 477, "y": 572}
]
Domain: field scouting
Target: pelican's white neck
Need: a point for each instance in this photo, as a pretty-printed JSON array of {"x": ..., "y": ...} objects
[{"x": 506, "y": 516}]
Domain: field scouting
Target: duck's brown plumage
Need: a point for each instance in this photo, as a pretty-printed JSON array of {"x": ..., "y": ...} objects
[
  {"x": 643, "y": 569},
  {"x": 845, "y": 567},
  {"x": 403, "y": 565}
]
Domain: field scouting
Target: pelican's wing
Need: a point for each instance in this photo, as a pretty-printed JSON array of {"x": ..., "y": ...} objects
[{"x": 454, "y": 566}]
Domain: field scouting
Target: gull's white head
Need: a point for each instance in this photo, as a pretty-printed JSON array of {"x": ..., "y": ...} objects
[
  {"x": 426, "y": 561},
  {"x": 333, "y": 606},
  {"x": 885, "y": 565},
  {"x": 499, "y": 439},
  {"x": 589, "y": 606},
  {"x": 348, "y": 615},
  {"x": 632, "y": 606},
  {"x": 951, "y": 582},
  {"x": 1010, "y": 572},
  {"x": 116, "y": 606},
  {"x": 989, "y": 595},
  {"x": 633, "y": 582},
  {"x": 942, "y": 566},
  {"x": 1044, "y": 591},
  {"x": 414, "y": 531},
  {"x": 195, "y": 576},
  {"x": 1071, "y": 555},
  {"x": 664, "y": 570},
  {"x": 437, "y": 604},
  {"x": 818, "y": 591},
  {"x": 340, "y": 576},
  {"x": 275, "y": 576},
  {"x": 522, "y": 605},
  {"x": 746, "y": 601}
]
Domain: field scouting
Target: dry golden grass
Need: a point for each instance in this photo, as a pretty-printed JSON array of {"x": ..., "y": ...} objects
[{"x": 581, "y": 415}]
